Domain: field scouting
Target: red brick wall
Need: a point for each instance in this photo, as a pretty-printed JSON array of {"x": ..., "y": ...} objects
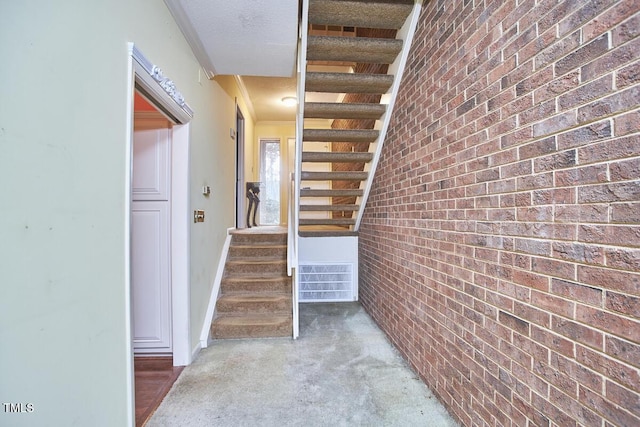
[{"x": 500, "y": 247}]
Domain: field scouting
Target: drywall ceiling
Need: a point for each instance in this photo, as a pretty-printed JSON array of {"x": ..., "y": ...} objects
[{"x": 240, "y": 37}]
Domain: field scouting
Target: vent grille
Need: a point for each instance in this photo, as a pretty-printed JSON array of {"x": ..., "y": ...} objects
[{"x": 326, "y": 282}]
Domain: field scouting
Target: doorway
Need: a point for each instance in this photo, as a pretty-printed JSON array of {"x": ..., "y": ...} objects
[
  {"x": 270, "y": 181},
  {"x": 150, "y": 230},
  {"x": 240, "y": 192}
]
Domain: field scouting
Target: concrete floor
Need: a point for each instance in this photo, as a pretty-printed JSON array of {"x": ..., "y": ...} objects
[{"x": 341, "y": 371}]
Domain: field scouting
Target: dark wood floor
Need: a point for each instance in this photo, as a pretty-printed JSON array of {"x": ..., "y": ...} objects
[{"x": 154, "y": 377}]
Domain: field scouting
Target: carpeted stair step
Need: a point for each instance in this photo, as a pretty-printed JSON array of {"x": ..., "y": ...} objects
[
  {"x": 327, "y": 221},
  {"x": 258, "y": 238},
  {"x": 312, "y": 192},
  {"x": 333, "y": 176},
  {"x": 353, "y": 49},
  {"x": 329, "y": 208},
  {"x": 257, "y": 251},
  {"x": 336, "y": 110},
  {"x": 340, "y": 135},
  {"x": 364, "y": 13},
  {"x": 252, "y": 266},
  {"x": 254, "y": 303},
  {"x": 256, "y": 284},
  {"x": 337, "y": 157},
  {"x": 348, "y": 82},
  {"x": 251, "y": 326}
]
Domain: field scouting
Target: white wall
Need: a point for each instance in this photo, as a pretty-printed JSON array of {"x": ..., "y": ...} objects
[{"x": 63, "y": 161}]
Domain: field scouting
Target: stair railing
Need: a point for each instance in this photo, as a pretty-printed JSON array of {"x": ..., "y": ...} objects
[
  {"x": 396, "y": 69},
  {"x": 294, "y": 197}
]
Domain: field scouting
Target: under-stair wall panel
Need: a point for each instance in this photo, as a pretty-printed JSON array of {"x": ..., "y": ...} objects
[{"x": 328, "y": 269}]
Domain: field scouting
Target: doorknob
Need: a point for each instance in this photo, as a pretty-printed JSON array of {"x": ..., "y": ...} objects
[{"x": 198, "y": 216}]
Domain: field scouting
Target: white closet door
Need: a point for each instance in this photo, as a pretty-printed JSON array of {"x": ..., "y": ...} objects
[{"x": 150, "y": 236}]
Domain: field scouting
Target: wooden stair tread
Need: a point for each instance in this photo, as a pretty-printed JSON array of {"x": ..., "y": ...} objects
[
  {"x": 353, "y": 49},
  {"x": 340, "y": 135},
  {"x": 326, "y": 233},
  {"x": 336, "y": 207},
  {"x": 333, "y": 176},
  {"x": 327, "y": 221},
  {"x": 366, "y": 14},
  {"x": 312, "y": 192},
  {"x": 336, "y": 157},
  {"x": 348, "y": 82},
  {"x": 336, "y": 110}
]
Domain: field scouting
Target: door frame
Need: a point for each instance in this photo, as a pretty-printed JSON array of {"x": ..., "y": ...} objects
[
  {"x": 240, "y": 169},
  {"x": 148, "y": 78}
]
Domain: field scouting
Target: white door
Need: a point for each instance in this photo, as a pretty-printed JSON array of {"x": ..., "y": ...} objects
[{"x": 150, "y": 231}]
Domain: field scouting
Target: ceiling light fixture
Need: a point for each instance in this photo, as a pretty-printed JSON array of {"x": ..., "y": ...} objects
[{"x": 289, "y": 101}]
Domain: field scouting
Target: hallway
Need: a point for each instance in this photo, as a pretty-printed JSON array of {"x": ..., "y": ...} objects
[{"x": 341, "y": 371}]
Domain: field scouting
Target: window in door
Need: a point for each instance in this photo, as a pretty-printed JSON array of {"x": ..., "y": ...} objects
[{"x": 269, "y": 181}]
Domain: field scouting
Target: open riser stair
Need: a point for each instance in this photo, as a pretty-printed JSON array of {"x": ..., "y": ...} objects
[
  {"x": 353, "y": 57},
  {"x": 255, "y": 293}
]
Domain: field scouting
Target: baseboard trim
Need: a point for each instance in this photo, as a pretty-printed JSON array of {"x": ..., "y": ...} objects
[{"x": 215, "y": 290}]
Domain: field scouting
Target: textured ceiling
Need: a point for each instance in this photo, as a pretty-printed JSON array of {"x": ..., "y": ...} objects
[{"x": 240, "y": 37}]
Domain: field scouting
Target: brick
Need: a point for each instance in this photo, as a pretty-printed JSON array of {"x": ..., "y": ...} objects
[
  {"x": 618, "y": 192},
  {"x": 623, "y": 170},
  {"x": 617, "y": 280},
  {"x": 623, "y": 350},
  {"x": 613, "y": 16},
  {"x": 609, "y": 234},
  {"x": 578, "y": 252},
  {"x": 558, "y": 49},
  {"x": 586, "y": 93},
  {"x": 578, "y": 332},
  {"x": 499, "y": 249},
  {"x": 612, "y": 60},
  {"x": 611, "y": 368},
  {"x": 582, "y": 213},
  {"x": 628, "y": 30},
  {"x": 608, "y": 150},
  {"x": 581, "y": 176},
  {"x": 587, "y": 12},
  {"x": 582, "y": 55},
  {"x": 612, "y": 412},
  {"x": 561, "y": 160},
  {"x": 584, "y": 135},
  {"x": 552, "y": 303},
  {"x": 619, "y": 102},
  {"x": 559, "y": 269},
  {"x": 537, "y": 148},
  {"x": 627, "y": 123},
  {"x": 577, "y": 292},
  {"x": 623, "y": 397},
  {"x": 556, "y": 124},
  {"x": 623, "y": 258},
  {"x": 628, "y": 213},
  {"x": 625, "y": 304},
  {"x": 628, "y": 76},
  {"x": 609, "y": 322}
]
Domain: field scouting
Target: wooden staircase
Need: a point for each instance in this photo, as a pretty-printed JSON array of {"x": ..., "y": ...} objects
[
  {"x": 255, "y": 299},
  {"x": 334, "y": 183}
]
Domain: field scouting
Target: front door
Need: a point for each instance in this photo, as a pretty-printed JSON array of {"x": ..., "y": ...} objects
[{"x": 150, "y": 231}]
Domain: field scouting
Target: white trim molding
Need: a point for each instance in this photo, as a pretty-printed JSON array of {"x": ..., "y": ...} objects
[
  {"x": 152, "y": 83},
  {"x": 215, "y": 290}
]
